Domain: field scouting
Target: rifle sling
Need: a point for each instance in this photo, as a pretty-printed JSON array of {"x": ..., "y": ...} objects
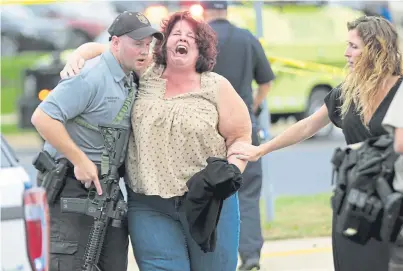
[{"x": 125, "y": 109}]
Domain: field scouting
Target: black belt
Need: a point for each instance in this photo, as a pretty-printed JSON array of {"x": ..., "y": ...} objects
[{"x": 70, "y": 171}]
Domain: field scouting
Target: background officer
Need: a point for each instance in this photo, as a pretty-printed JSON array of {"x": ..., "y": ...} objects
[{"x": 241, "y": 60}]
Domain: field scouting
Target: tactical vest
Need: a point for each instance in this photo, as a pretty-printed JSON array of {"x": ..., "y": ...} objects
[{"x": 363, "y": 199}]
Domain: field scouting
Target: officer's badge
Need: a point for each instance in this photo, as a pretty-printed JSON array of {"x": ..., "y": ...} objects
[{"x": 142, "y": 18}]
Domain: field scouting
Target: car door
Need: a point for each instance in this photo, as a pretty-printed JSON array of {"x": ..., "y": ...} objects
[{"x": 12, "y": 180}]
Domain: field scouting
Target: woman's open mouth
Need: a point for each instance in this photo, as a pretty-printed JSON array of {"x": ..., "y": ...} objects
[{"x": 181, "y": 49}]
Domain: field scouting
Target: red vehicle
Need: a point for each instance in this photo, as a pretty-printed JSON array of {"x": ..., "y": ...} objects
[{"x": 81, "y": 17}]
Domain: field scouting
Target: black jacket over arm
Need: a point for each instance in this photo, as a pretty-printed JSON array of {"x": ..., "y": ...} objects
[{"x": 203, "y": 203}]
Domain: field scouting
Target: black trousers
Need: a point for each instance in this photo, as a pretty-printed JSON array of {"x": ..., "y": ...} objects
[
  {"x": 350, "y": 256},
  {"x": 69, "y": 234}
]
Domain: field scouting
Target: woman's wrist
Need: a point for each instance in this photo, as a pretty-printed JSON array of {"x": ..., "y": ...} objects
[{"x": 264, "y": 149}]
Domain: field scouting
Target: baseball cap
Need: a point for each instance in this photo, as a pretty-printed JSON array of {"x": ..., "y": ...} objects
[
  {"x": 134, "y": 25},
  {"x": 214, "y": 4}
]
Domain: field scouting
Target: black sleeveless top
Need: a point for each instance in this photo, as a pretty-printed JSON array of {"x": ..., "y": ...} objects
[
  {"x": 347, "y": 255},
  {"x": 353, "y": 129}
]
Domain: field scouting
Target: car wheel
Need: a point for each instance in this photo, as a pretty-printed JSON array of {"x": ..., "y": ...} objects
[
  {"x": 9, "y": 47},
  {"x": 316, "y": 100},
  {"x": 274, "y": 119}
]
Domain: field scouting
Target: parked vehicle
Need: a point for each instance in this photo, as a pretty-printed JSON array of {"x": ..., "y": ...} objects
[
  {"x": 24, "y": 217},
  {"x": 306, "y": 49},
  {"x": 38, "y": 80},
  {"x": 22, "y": 31},
  {"x": 87, "y": 19}
]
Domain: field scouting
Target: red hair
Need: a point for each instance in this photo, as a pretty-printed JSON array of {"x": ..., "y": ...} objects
[{"x": 206, "y": 41}]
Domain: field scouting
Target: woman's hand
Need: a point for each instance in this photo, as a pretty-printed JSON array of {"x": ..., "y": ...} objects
[
  {"x": 245, "y": 151},
  {"x": 73, "y": 66}
]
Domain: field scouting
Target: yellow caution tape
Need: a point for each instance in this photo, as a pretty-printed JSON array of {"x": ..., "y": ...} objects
[
  {"x": 306, "y": 65},
  {"x": 302, "y": 72}
]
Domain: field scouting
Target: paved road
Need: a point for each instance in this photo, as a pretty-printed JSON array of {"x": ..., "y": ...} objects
[
  {"x": 290, "y": 255},
  {"x": 302, "y": 169}
]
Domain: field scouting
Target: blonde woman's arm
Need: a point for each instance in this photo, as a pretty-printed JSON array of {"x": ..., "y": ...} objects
[
  {"x": 298, "y": 132},
  {"x": 234, "y": 120}
]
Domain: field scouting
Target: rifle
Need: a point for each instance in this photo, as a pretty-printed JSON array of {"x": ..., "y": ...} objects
[
  {"x": 54, "y": 174},
  {"x": 107, "y": 208}
]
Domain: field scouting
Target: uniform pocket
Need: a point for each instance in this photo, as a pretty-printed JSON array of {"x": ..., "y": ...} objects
[{"x": 62, "y": 255}]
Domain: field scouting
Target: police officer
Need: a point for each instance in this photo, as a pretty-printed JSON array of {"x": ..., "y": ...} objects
[
  {"x": 241, "y": 60},
  {"x": 95, "y": 95}
]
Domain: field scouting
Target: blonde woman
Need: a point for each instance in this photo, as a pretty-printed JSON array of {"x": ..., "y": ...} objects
[{"x": 358, "y": 107}]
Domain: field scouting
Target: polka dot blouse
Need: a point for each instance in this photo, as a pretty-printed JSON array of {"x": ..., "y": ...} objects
[{"x": 173, "y": 136}]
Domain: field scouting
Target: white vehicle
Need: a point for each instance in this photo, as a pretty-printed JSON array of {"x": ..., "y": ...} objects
[{"x": 24, "y": 217}]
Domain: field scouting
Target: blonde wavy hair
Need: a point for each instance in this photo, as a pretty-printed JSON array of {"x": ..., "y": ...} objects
[{"x": 380, "y": 58}]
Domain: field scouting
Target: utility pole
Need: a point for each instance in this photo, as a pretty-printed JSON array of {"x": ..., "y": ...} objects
[{"x": 265, "y": 124}]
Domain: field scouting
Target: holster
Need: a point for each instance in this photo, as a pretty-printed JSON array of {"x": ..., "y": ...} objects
[
  {"x": 392, "y": 201},
  {"x": 364, "y": 199},
  {"x": 52, "y": 174},
  {"x": 358, "y": 215},
  {"x": 391, "y": 220},
  {"x": 342, "y": 161}
]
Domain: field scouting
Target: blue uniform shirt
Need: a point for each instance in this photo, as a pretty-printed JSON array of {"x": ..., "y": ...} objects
[{"x": 96, "y": 94}]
